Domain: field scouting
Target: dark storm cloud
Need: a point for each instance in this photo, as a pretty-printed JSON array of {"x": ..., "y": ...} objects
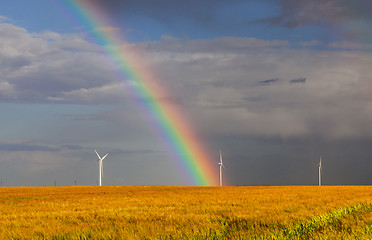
[
  {"x": 13, "y": 63},
  {"x": 252, "y": 160},
  {"x": 201, "y": 11},
  {"x": 296, "y": 13},
  {"x": 268, "y": 81},
  {"x": 275, "y": 80},
  {"x": 72, "y": 147},
  {"x": 15, "y": 147},
  {"x": 135, "y": 152},
  {"x": 39, "y": 147},
  {"x": 208, "y": 15},
  {"x": 298, "y": 80},
  {"x": 341, "y": 15}
]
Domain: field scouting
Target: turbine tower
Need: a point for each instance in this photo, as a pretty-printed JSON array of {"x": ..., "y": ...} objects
[
  {"x": 100, "y": 166},
  {"x": 221, "y": 166},
  {"x": 320, "y": 171}
]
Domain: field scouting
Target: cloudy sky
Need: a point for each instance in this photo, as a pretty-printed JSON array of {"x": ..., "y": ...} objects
[{"x": 274, "y": 83}]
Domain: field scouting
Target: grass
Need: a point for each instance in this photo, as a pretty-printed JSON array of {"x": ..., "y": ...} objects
[{"x": 296, "y": 212}]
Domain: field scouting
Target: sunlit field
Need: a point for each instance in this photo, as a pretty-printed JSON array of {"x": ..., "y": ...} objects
[{"x": 296, "y": 212}]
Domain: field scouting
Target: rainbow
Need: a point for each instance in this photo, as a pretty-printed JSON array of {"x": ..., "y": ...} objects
[{"x": 172, "y": 127}]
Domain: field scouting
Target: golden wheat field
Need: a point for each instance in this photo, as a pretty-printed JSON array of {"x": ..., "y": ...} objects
[{"x": 295, "y": 212}]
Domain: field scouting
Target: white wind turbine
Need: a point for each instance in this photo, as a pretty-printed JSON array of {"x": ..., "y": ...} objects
[
  {"x": 221, "y": 166},
  {"x": 320, "y": 171},
  {"x": 100, "y": 166}
]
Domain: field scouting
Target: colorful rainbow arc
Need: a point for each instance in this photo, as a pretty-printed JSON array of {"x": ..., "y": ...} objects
[{"x": 172, "y": 127}]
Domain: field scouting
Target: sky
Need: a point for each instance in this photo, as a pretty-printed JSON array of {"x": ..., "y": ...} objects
[{"x": 274, "y": 84}]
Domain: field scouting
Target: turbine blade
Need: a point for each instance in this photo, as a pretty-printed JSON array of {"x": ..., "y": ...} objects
[
  {"x": 104, "y": 157},
  {"x": 97, "y": 154},
  {"x": 220, "y": 157}
]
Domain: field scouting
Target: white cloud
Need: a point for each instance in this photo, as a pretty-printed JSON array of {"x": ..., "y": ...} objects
[
  {"x": 44, "y": 66},
  {"x": 310, "y": 43},
  {"x": 4, "y": 19},
  {"x": 350, "y": 45},
  {"x": 112, "y": 92},
  {"x": 6, "y": 90},
  {"x": 202, "y": 46}
]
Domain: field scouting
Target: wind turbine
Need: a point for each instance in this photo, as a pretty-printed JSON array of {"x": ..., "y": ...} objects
[
  {"x": 221, "y": 166},
  {"x": 320, "y": 171},
  {"x": 100, "y": 166}
]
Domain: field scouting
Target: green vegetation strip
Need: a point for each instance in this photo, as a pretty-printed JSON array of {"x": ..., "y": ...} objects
[{"x": 304, "y": 230}]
